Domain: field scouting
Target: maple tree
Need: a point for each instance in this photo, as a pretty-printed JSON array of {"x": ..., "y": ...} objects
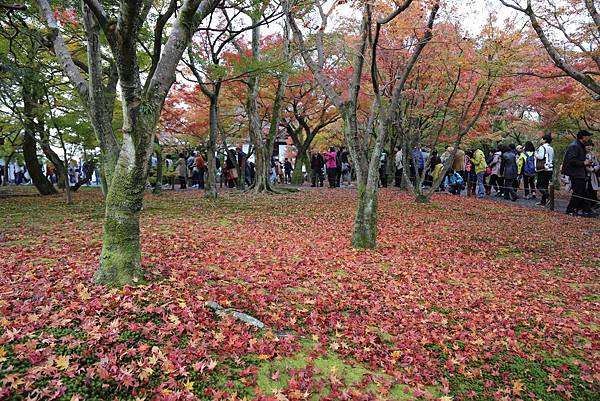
[
  {"x": 125, "y": 163},
  {"x": 575, "y": 23}
]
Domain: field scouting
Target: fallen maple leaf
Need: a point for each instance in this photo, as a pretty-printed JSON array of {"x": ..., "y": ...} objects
[
  {"x": 189, "y": 385},
  {"x": 518, "y": 387},
  {"x": 62, "y": 362}
]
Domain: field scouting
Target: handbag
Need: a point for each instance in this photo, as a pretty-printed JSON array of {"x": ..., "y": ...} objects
[{"x": 540, "y": 164}]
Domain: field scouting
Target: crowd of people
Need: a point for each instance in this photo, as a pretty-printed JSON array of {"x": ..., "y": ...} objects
[
  {"x": 509, "y": 169},
  {"x": 16, "y": 173},
  {"x": 191, "y": 169},
  {"x": 506, "y": 171}
]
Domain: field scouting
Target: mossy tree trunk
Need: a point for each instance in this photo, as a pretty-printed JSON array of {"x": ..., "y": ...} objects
[
  {"x": 210, "y": 183},
  {"x": 301, "y": 161},
  {"x": 364, "y": 233},
  {"x": 120, "y": 261}
]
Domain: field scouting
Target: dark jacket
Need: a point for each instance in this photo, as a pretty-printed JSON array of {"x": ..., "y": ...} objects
[
  {"x": 317, "y": 162},
  {"x": 287, "y": 167},
  {"x": 574, "y": 158},
  {"x": 509, "y": 163}
]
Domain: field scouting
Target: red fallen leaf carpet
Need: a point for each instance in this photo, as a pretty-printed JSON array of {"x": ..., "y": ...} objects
[{"x": 462, "y": 299}]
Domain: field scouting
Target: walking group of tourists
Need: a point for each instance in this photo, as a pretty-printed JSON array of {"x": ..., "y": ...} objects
[
  {"x": 191, "y": 169},
  {"x": 509, "y": 169},
  {"x": 333, "y": 164}
]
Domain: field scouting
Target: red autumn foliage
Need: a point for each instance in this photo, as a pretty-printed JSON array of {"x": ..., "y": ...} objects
[{"x": 456, "y": 292}]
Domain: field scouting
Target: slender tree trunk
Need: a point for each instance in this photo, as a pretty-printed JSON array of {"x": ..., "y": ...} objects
[
  {"x": 159, "y": 168},
  {"x": 210, "y": 184},
  {"x": 7, "y": 160}
]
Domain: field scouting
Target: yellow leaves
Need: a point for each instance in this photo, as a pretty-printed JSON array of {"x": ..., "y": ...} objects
[
  {"x": 478, "y": 341},
  {"x": 62, "y": 362},
  {"x": 146, "y": 373},
  {"x": 446, "y": 398},
  {"x": 76, "y": 397},
  {"x": 174, "y": 319},
  {"x": 518, "y": 387},
  {"x": 219, "y": 336},
  {"x": 83, "y": 292},
  {"x": 396, "y": 355},
  {"x": 2, "y": 354},
  {"x": 189, "y": 385},
  {"x": 153, "y": 360},
  {"x": 263, "y": 357},
  {"x": 315, "y": 338}
]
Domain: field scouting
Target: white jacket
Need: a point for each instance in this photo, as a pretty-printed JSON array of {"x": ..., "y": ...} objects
[
  {"x": 398, "y": 160},
  {"x": 546, "y": 151}
]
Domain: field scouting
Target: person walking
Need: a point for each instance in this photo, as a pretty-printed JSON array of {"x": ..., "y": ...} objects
[
  {"x": 574, "y": 166},
  {"x": 399, "y": 167},
  {"x": 316, "y": 169},
  {"x": 544, "y": 164},
  {"x": 331, "y": 164},
  {"x": 383, "y": 169},
  {"x": 529, "y": 170},
  {"x": 181, "y": 171},
  {"x": 520, "y": 164},
  {"x": 494, "y": 164},
  {"x": 287, "y": 167},
  {"x": 509, "y": 160}
]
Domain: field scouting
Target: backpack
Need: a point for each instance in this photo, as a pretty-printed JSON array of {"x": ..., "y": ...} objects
[{"x": 530, "y": 165}]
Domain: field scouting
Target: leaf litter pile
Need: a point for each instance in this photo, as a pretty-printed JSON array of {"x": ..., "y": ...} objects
[{"x": 461, "y": 300}]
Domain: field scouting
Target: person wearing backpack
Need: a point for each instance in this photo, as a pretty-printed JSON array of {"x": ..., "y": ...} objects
[
  {"x": 529, "y": 170},
  {"x": 544, "y": 164},
  {"x": 509, "y": 161}
]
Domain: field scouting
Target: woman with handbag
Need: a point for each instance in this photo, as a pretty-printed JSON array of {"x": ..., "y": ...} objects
[{"x": 593, "y": 174}]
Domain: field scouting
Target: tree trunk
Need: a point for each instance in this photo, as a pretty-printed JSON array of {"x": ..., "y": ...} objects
[
  {"x": 364, "y": 233},
  {"x": 159, "y": 168},
  {"x": 210, "y": 184},
  {"x": 301, "y": 160},
  {"x": 120, "y": 261},
  {"x": 34, "y": 168},
  {"x": 7, "y": 160},
  {"x": 263, "y": 168}
]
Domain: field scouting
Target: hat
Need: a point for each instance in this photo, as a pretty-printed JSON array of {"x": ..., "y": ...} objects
[
  {"x": 583, "y": 133},
  {"x": 519, "y": 147}
]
